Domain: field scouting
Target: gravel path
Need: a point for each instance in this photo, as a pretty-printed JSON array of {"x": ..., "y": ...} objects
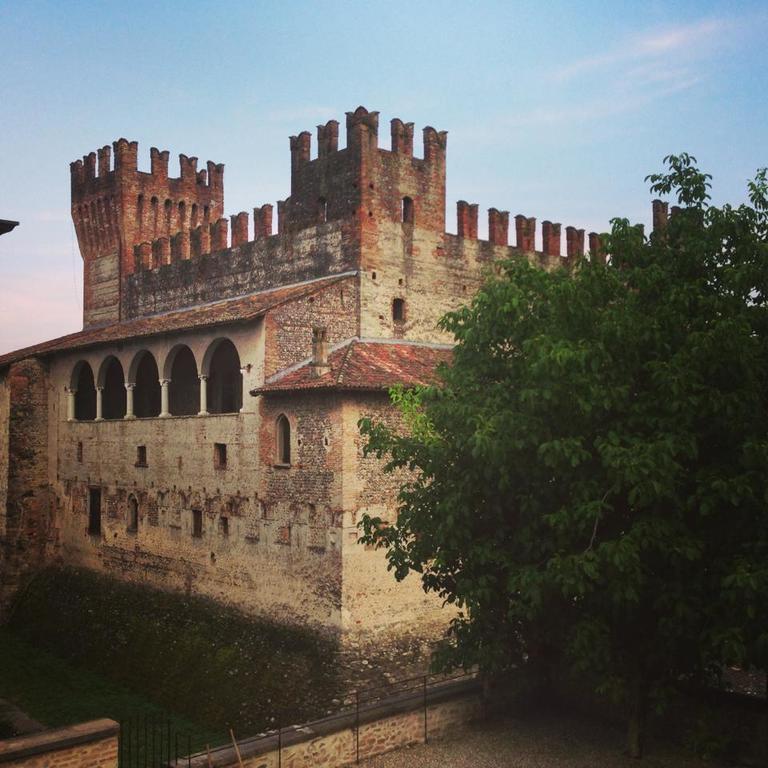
[{"x": 533, "y": 744}]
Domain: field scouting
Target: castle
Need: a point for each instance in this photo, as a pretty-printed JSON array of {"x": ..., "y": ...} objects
[{"x": 200, "y": 433}]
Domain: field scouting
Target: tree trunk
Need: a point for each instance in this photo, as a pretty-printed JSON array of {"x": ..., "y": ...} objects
[{"x": 638, "y": 710}]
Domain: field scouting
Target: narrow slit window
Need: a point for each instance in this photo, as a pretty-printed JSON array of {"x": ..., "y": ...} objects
[
  {"x": 80, "y": 452},
  {"x": 219, "y": 456},
  {"x": 398, "y": 310},
  {"x": 224, "y": 526},
  {"x": 322, "y": 210},
  {"x": 133, "y": 515},
  {"x": 94, "y": 511},
  {"x": 197, "y": 523},
  {"x": 141, "y": 455},
  {"x": 407, "y": 210},
  {"x": 283, "y": 440}
]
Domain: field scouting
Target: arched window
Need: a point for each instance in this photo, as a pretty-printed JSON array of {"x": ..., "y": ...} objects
[
  {"x": 322, "y": 210},
  {"x": 184, "y": 389},
  {"x": 407, "y": 210},
  {"x": 398, "y": 310},
  {"x": 283, "y": 440},
  {"x": 113, "y": 397},
  {"x": 133, "y": 515},
  {"x": 146, "y": 394},
  {"x": 85, "y": 392},
  {"x": 225, "y": 381}
]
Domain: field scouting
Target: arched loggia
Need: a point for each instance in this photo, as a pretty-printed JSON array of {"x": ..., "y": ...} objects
[
  {"x": 221, "y": 365},
  {"x": 180, "y": 369},
  {"x": 144, "y": 376},
  {"x": 82, "y": 384},
  {"x": 112, "y": 381}
]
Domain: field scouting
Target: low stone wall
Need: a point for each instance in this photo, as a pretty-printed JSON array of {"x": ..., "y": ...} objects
[
  {"x": 332, "y": 742},
  {"x": 86, "y": 745}
]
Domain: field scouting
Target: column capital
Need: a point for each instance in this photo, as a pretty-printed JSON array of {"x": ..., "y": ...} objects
[
  {"x": 99, "y": 389},
  {"x": 130, "y": 385},
  {"x": 164, "y": 382},
  {"x": 203, "y": 377}
]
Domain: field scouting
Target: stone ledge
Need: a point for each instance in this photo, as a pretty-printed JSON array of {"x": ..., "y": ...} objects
[
  {"x": 56, "y": 739},
  {"x": 396, "y": 704}
]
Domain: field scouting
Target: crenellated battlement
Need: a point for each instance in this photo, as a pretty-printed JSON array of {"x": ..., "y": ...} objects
[
  {"x": 115, "y": 206},
  {"x": 363, "y": 180},
  {"x": 525, "y": 232},
  {"x": 373, "y": 198},
  {"x": 95, "y": 171}
]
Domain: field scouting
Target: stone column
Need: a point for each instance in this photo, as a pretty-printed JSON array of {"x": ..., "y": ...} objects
[
  {"x": 203, "y": 395},
  {"x": 71, "y": 404},
  {"x": 164, "y": 411},
  {"x": 99, "y": 403},
  {"x": 129, "y": 414}
]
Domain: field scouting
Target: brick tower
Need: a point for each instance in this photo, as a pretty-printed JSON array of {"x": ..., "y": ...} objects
[{"x": 115, "y": 208}]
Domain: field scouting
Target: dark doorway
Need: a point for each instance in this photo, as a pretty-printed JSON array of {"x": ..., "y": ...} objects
[
  {"x": 146, "y": 395},
  {"x": 94, "y": 511},
  {"x": 113, "y": 397},
  {"x": 85, "y": 397},
  {"x": 184, "y": 392},
  {"x": 225, "y": 383}
]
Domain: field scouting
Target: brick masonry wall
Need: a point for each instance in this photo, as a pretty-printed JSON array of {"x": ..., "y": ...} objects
[
  {"x": 86, "y": 745},
  {"x": 373, "y": 602},
  {"x": 263, "y": 263},
  {"x": 288, "y": 337},
  {"x": 339, "y": 748},
  {"x": 5, "y": 414},
  {"x": 25, "y": 526},
  {"x": 248, "y": 561}
]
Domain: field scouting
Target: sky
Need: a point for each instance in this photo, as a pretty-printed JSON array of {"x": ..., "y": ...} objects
[{"x": 557, "y": 110}]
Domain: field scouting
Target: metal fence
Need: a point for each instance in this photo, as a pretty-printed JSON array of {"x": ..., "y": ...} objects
[{"x": 155, "y": 742}]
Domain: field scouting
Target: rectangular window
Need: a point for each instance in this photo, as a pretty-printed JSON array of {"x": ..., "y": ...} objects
[
  {"x": 219, "y": 456},
  {"x": 141, "y": 455},
  {"x": 224, "y": 526},
  {"x": 94, "y": 511},
  {"x": 80, "y": 452},
  {"x": 197, "y": 523}
]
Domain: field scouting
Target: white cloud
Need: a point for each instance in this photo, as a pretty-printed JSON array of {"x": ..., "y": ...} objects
[{"x": 672, "y": 44}]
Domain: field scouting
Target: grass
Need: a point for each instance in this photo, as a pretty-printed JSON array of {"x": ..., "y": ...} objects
[
  {"x": 79, "y": 645},
  {"x": 57, "y": 693}
]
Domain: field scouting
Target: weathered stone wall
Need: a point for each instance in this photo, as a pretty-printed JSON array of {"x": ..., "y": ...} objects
[
  {"x": 303, "y": 498},
  {"x": 25, "y": 526},
  {"x": 5, "y": 413},
  {"x": 288, "y": 328},
  {"x": 86, "y": 745},
  {"x": 101, "y": 289},
  {"x": 262, "y": 263},
  {"x": 240, "y": 557},
  {"x": 432, "y": 271},
  {"x": 333, "y": 743},
  {"x": 373, "y": 603}
]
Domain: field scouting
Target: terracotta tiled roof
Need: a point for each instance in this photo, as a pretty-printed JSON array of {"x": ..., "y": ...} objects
[
  {"x": 216, "y": 313},
  {"x": 365, "y": 364}
]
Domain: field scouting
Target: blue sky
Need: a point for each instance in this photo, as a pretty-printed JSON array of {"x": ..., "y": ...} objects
[{"x": 554, "y": 109}]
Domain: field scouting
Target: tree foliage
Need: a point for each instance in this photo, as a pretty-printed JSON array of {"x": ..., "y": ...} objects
[{"x": 589, "y": 478}]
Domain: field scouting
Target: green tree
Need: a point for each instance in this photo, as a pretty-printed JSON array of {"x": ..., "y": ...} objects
[{"x": 589, "y": 478}]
